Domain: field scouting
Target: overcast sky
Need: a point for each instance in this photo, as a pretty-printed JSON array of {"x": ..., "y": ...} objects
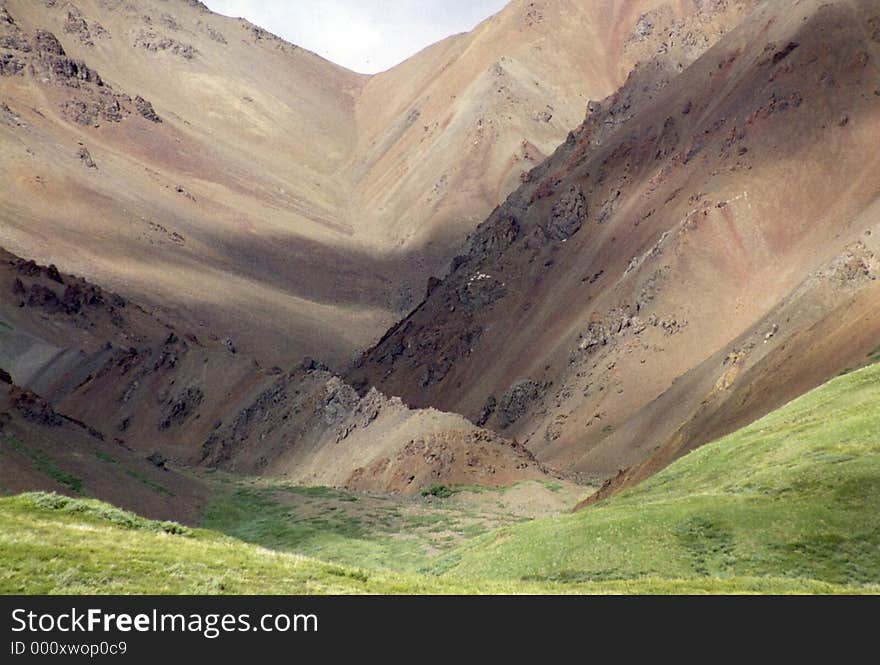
[{"x": 367, "y": 36}]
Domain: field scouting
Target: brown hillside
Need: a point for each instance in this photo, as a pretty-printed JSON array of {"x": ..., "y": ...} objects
[
  {"x": 702, "y": 249},
  {"x": 198, "y": 164}
]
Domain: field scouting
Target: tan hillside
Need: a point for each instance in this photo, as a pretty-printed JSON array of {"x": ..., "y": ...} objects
[
  {"x": 701, "y": 250},
  {"x": 255, "y": 191}
]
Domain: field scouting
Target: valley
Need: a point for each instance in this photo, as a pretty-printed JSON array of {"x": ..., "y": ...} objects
[{"x": 584, "y": 300}]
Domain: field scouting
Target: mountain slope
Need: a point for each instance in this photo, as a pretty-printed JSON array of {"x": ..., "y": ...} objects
[
  {"x": 699, "y": 251},
  {"x": 41, "y": 542},
  {"x": 252, "y": 190},
  {"x": 795, "y": 494},
  {"x": 152, "y": 390}
]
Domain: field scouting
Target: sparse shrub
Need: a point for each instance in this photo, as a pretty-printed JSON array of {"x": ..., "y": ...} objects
[{"x": 440, "y": 491}]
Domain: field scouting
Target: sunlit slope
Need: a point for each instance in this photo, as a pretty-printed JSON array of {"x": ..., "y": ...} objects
[
  {"x": 52, "y": 544},
  {"x": 796, "y": 494}
]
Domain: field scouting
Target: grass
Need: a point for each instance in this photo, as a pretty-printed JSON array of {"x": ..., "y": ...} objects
[
  {"x": 790, "y": 504},
  {"x": 45, "y": 464},
  {"x": 795, "y": 495},
  {"x": 131, "y": 473},
  {"x": 58, "y": 545},
  {"x": 369, "y": 531}
]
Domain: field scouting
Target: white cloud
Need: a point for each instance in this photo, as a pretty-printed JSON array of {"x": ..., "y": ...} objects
[{"x": 364, "y": 35}]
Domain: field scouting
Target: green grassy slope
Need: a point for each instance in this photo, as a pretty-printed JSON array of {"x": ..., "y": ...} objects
[
  {"x": 790, "y": 504},
  {"x": 54, "y": 544},
  {"x": 371, "y": 531},
  {"x": 794, "y": 495}
]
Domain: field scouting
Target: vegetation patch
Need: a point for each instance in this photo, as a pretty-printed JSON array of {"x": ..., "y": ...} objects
[
  {"x": 131, "y": 473},
  {"x": 794, "y": 495},
  {"x": 46, "y": 465},
  {"x": 439, "y": 491}
]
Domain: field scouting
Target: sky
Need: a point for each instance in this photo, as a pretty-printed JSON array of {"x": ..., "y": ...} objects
[{"x": 366, "y": 36}]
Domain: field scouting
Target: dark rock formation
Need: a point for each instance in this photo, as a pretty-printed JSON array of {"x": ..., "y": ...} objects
[
  {"x": 180, "y": 407},
  {"x": 568, "y": 214},
  {"x": 487, "y": 411},
  {"x": 158, "y": 460},
  {"x": 146, "y": 109},
  {"x": 85, "y": 157},
  {"x": 516, "y": 400},
  {"x": 153, "y": 41},
  {"x": 34, "y": 408}
]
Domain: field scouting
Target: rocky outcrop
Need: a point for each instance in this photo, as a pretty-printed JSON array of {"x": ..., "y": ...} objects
[
  {"x": 77, "y": 25},
  {"x": 146, "y": 109},
  {"x": 85, "y": 157},
  {"x": 155, "y": 42},
  {"x": 34, "y": 408},
  {"x": 178, "y": 408},
  {"x": 82, "y": 302},
  {"x": 516, "y": 401},
  {"x": 568, "y": 214},
  {"x": 50, "y": 62}
]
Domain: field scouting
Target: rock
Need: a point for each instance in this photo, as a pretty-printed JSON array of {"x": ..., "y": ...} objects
[
  {"x": 42, "y": 296},
  {"x": 433, "y": 283},
  {"x": 487, "y": 411},
  {"x": 515, "y": 402},
  {"x": 47, "y": 43},
  {"x": 492, "y": 237},
  {"x": 229, "y": 345},
  {"x": 644, "y": 27},
  {"x": 53, "y": 274},
  {"x": 215, "y": 34},
  {"x": 158, "y": 460},
  {"x": 782, "y": 54},
  {"x": 150, "y": 40},
  {"x": 5, "y": 377},
  {"x": 146, "y": 109},
  {"x": 10, "y": 65},
  {"x": 181, "y": 407},
  {"x": 568, "y": 214},
  {"x": 312, "y": 365},
  {"x": 340, "y": 399},
  {"x": 34, "y": 408},
  {"x": 180, "y": 190},
  {"x": 87, "y": 110},
  {"x": 480, "y": 290},
  {"x": 86, "y": 158},
  {"x": 595, "y": 336},
  {"x": 77, "y": 25},
  {"x": 7, "y": 117}
]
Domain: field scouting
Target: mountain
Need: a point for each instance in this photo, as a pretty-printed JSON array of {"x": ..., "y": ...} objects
[
  {"x": 701, "y": 250},
  {"x": 787, "y": 505},
  {"x": 87, "y": 369},
  {"x": 376, "y": 317},
  {"x": 252, "y": 190}
]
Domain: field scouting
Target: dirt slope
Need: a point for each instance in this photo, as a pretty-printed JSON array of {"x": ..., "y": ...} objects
[
  {"x": 700, "y": 250},
  {"x": 41, "y": 449},
  {"x": 198, "y": 164},
  {"x": 145, "y": 388}
]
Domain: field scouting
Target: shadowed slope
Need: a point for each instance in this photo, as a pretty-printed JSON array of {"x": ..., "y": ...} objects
[{"x": 697, "y": 235}]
